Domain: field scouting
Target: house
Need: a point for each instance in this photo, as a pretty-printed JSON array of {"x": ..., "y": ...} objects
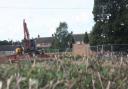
[
  {"x": 79, "y": 47},
  {"x": 46, "y": 42},
  {"x": 78, "y": 38}
]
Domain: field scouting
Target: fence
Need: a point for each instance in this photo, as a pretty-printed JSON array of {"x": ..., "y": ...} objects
[
  {"x": 3, "y": 53},
  {"x": 106, "y": 50},
  {"x": 51, "y": 50},
  {"x": 110, "y": 50}
]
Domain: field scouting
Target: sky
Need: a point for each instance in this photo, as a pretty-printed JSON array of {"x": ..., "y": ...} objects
[{"x": 43, "y": 17}]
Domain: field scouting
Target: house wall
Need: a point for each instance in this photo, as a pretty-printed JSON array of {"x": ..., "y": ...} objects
[{"x": 43, "y": 45}]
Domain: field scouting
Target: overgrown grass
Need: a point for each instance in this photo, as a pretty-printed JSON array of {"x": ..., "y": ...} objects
[{"x": 67, "y": 73}]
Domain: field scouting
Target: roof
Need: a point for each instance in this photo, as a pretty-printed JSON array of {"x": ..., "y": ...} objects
[
  {"x": 8, "y": 47},
  {"x": 44, "y": 40},
  {"x": 77, "y": 37}
]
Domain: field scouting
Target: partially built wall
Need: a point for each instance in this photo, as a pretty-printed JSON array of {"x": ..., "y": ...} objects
[{"x": 82, "y": 50}]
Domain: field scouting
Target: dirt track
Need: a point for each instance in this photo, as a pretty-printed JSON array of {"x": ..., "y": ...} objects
[{"x": 25, "y": 57}]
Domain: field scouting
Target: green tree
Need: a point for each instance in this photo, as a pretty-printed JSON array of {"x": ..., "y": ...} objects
[
  {"x": 5, "y": 42},
  {"x": 111, "y": 27},
  {"x": 86, "y": 38},
  {"x": 62, "y": 39}
]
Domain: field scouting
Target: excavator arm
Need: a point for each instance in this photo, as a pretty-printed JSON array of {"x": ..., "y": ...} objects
[{"x": 26, "y": 37}]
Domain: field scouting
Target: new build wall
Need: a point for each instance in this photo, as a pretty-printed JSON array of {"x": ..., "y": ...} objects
[{"x": 82, "y": 50}]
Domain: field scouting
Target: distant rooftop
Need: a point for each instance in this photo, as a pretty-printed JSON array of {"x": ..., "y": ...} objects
[
  {"x": 44, "y": 40},
  {"x": 77, "y": 37}
]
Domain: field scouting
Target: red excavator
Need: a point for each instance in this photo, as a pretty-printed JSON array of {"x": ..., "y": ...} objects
[
  {"x": 26, "y": 37},
  {"x": 28, "y": 50},
  {"x": 29, "y": 45}
]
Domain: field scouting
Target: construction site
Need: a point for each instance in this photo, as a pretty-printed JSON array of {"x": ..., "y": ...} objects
[
  {"x": 33, "y": 65},
  {"x": 81, "y": 44}
]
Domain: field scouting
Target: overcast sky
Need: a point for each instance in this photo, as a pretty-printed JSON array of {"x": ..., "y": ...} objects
[{"x": 43, "y": 16}]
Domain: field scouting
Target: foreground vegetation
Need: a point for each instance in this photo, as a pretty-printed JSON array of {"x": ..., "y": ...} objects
[{"x": 66, "y": 73}]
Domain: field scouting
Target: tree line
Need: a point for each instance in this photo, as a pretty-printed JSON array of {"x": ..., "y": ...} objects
[
  {"x": 6, "y": 42},
  {"x": 111, "y": 22}
]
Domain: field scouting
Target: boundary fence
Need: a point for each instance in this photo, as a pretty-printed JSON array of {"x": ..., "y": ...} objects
[{"x": 110, "y": 50}]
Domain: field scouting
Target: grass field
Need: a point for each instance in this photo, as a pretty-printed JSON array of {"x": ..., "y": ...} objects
[{"x": 66, "y": 73}]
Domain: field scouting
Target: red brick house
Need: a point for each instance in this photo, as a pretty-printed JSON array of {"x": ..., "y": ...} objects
[
  {"x": 46, "y": 42},
  {"x": 79, "y": 48}
]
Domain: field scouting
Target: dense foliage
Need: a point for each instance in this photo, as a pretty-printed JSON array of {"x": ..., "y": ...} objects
[
  {"x": 62, "y": 38},
  {"x": 6, "y": 42},
  {"x": 111, "y": 27},
  {"x": 86, "y": 38}
]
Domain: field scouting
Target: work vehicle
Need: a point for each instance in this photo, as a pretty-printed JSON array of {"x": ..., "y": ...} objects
[{"x": 27, "y": 50}]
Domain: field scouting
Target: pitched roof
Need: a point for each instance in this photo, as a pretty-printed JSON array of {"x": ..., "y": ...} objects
[
  {"x": 77, "y": 37},
  {"x": 44, "y": 40},
  {"x": 8, "y": 47}
]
